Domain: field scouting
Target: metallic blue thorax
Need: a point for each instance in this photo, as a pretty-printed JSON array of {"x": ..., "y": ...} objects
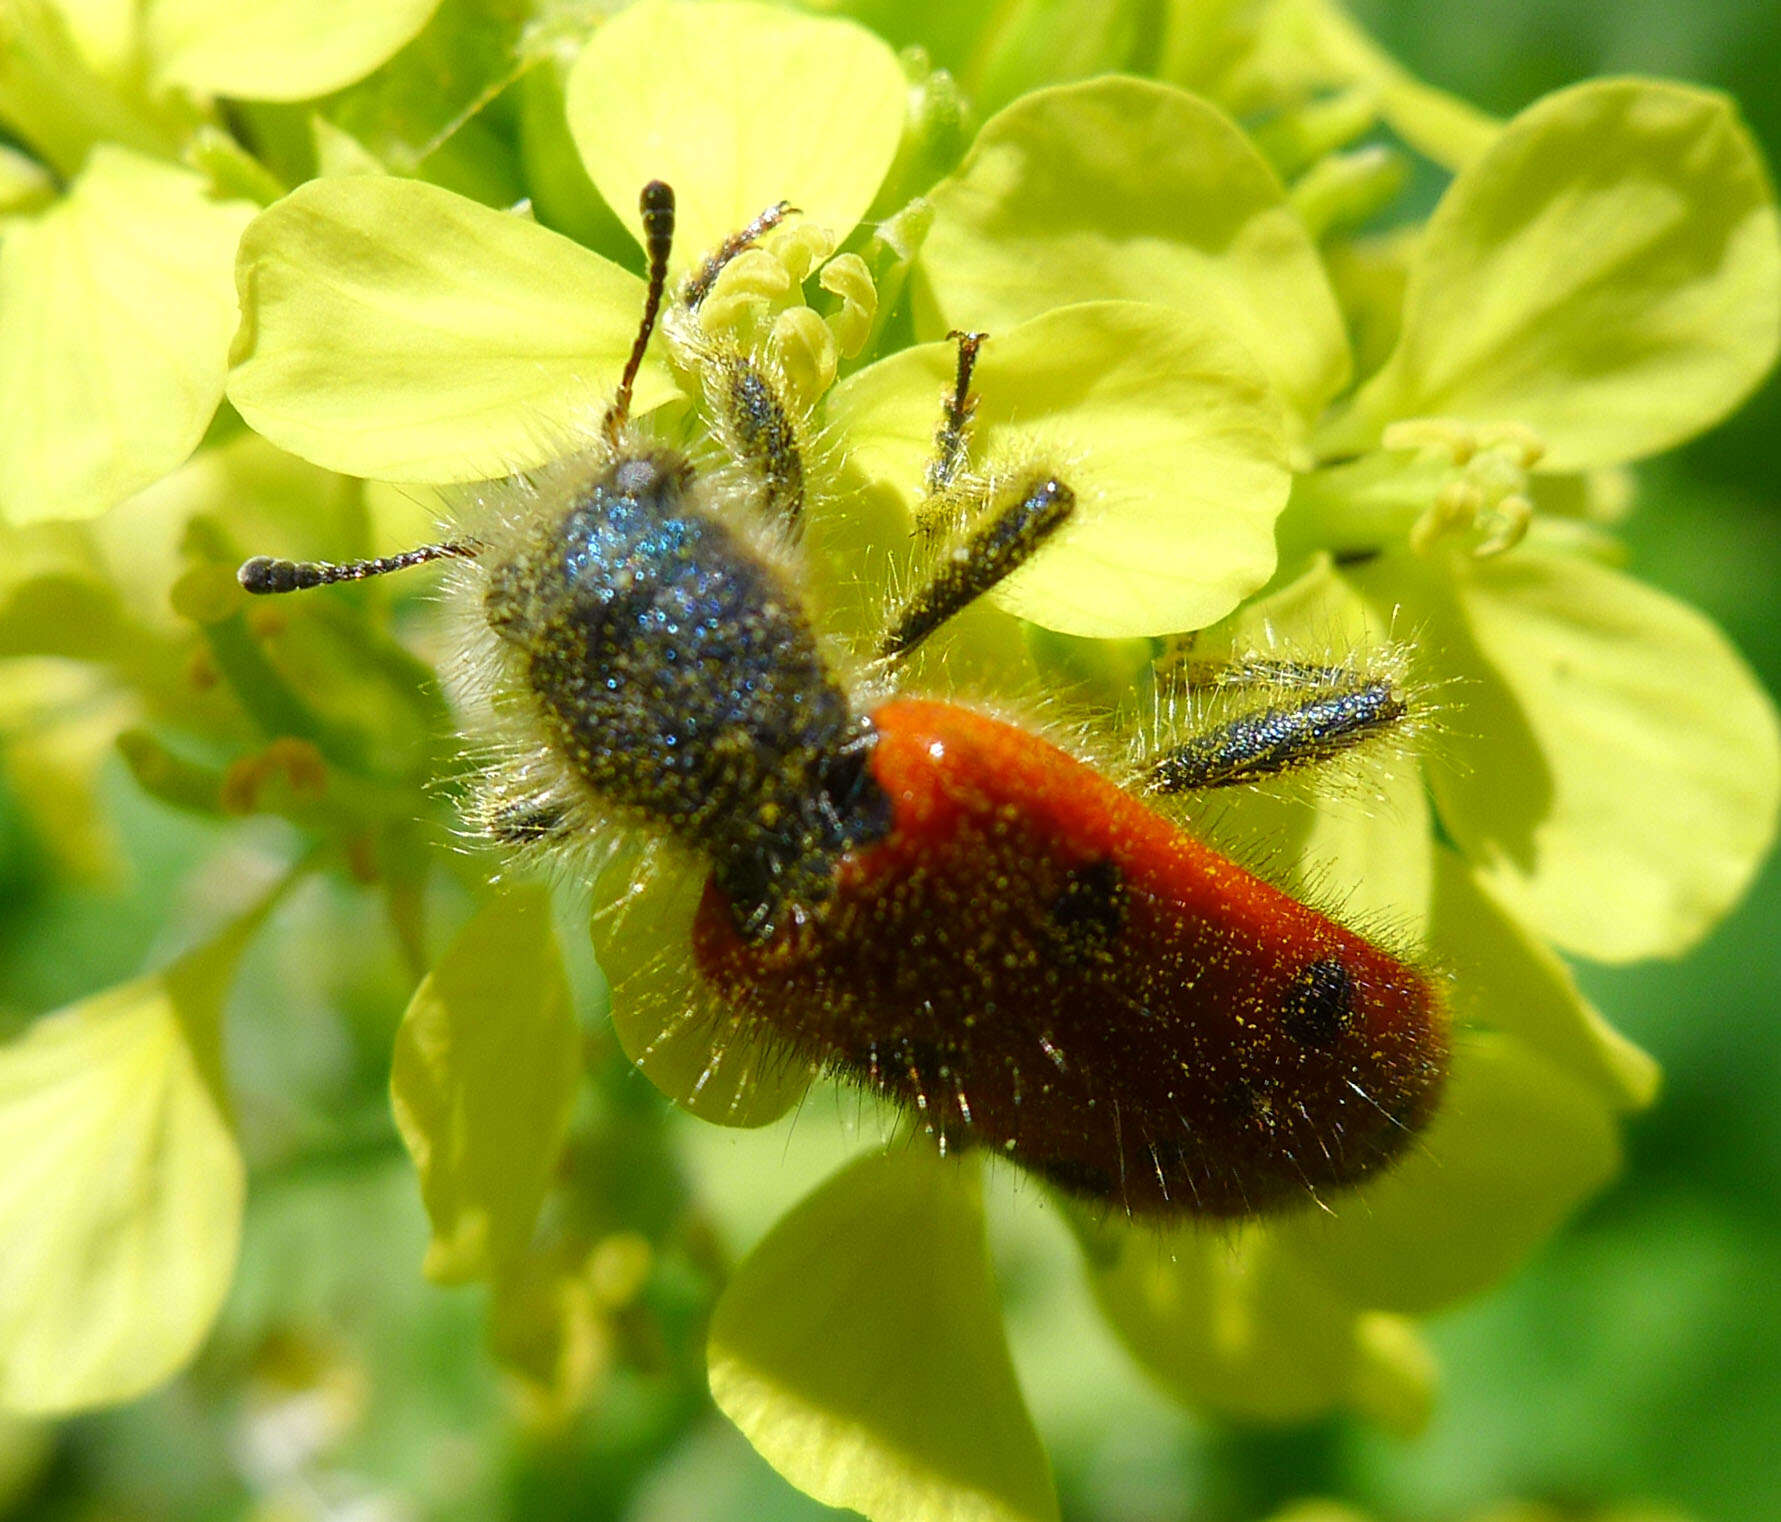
[{"x": 679, "y": 672}]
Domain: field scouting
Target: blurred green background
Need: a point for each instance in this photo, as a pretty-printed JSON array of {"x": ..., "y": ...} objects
[{"x": 1639, "y": 1358}]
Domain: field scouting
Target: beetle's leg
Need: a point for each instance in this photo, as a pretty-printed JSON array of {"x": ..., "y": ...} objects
[
  {"x": 527, "y": 822},
  {"x": 697, "y": 286},
  {"x": 1179, "y": 664},
  {"x": 1031, "y": 512},
  {"x": 756, "y": 425},
  {"x": 758, "y": 429},
  {"x": 1325, "y": 712},
  {"x": 957, "y": 410},
  {"x": 998, "y": 525}
]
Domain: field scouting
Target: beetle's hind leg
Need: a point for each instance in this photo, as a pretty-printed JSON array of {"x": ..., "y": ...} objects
[
  {"x": 526, "y": 822},
  {"x": 1309, "y": 714},
  {"x": 995, "y": 525}
]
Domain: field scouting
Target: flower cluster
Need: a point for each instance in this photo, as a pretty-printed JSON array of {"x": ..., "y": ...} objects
[{"x": 1289, "y": 430}]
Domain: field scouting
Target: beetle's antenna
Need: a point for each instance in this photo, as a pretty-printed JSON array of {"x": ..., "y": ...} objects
[
  {"x": 657, "y": 205},
  {"x": 263, "y": 575}
]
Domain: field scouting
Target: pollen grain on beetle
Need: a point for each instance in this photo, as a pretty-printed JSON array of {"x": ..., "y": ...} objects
[{"x": 940, "y": 906}]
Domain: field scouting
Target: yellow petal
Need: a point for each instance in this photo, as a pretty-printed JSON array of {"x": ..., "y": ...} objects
[
  {"x": 1232, "y": 1322},
  {"x": 120, "y": 1188},
  {"x": 737, "y": 106},
  {"x": 703, "y": 1057},
  {"x": 1507, "y": 978},
  {"x": 1516, "y": 1146},
  {"x": 395, "y": 330},
  {"x": 1163, "y": 428},
  {"x": 860, "y": 1349},
  {"x": 272, "y": 49},
  {"x": 1126, "y": 189},
  {"x": 485, "y": 1069},
  {"x": 1616, "y": 771},
  {"x": 116, "y": 310},
  {"x": 1607, "y": 274}
]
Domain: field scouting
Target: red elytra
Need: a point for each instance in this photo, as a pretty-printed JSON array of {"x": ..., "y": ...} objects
[{"x": 1043, "y": 966}]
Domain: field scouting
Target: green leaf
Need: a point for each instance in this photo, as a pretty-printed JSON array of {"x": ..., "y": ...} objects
[
  {"x": 338, "y": 152},
  {"x": 1229, "y": 1320},
  {"x": 737, "y": 106},
  {"x": 860, "y": 1349},
  {"x": 228, "y": 166},
  {"x": 485, "y": 1069},
  {"x": 396, "y": 330},
  {"x": 115, "y": 316},
  {"x": 1608, "y": 274},
  {"x": 1162, "y": 426},
  {"x": 714, "y": 1062},
  {"x": 1515, "y": 1147},
  {"x": 1509, "y": 979},
  {"x": 426, "y": 112},
  {"x": 1369, "y": 275},
  {"x": 28, "y": 1447},
  {"x": 1616, "y": 774},
  {"x": 273, "y": 50},
  {"x": 120, "y": 1187},
  {"x": 1122, "y": 188},
  {"x": 563, "y": 197}
]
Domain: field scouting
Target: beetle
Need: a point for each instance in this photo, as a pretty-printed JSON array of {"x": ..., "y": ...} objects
[{"x": 935, "y": 903}]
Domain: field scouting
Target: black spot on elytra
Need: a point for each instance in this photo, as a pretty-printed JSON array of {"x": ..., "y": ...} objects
[
  {"x": 1090, "y": 912},
  {"x": 1319, "y": 1004}
]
